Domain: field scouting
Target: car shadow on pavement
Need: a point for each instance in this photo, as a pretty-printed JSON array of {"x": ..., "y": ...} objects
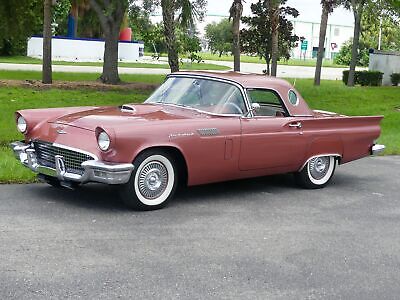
[{"x": 106, "y": 198}]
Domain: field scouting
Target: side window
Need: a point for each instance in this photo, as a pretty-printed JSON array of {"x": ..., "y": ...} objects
[{"x": 269, "y": 101}]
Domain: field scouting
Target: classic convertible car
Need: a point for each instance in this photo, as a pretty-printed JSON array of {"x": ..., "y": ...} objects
[{"x": 196, "y": 128}]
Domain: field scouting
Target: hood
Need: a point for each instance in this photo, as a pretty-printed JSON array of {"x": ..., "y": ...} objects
[{"x": 125, "y": 115}]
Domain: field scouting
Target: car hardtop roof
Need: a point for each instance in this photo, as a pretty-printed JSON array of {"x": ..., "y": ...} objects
[{"x": 247, "y": 80}]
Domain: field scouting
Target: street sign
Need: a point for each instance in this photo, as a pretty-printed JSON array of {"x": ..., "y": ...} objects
[{"x": 304, "y": 45}]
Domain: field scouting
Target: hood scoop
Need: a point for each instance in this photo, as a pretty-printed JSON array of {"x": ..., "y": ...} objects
[{"x": 128, "y": 108}]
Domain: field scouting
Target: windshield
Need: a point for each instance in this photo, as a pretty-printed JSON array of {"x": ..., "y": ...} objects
[{"x": 204, "y": 94}]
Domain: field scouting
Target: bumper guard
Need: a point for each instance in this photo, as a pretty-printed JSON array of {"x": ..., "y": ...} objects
[
  {"x": 94, "y": 170},
  {"x": 377, "y": 148}
]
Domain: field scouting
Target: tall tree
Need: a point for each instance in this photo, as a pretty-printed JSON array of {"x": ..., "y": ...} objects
[
  {"x": 219, "y": 37},
  {"x": 358, "y": 8},
  {"x": 188, "y": 12},
  {"x": 18, "y": 21},
  {"x": 327, "y": 8},
  {"x": 168, "y": 13},
  {"x": 46, "y": 66},
  {"x": 110, "y": 14},
  {"x": 256, "y": 38},
  {"x": 235, "y": 13},
  {"x": 274, "y": 11}
]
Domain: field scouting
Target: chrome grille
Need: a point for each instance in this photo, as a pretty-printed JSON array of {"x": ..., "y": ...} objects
[{"x": 46, "y": 153}]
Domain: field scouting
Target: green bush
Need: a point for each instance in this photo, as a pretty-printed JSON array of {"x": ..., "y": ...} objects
[
  {"x": 343, "y": 57},
  {"x": 395, "y": 77},
  {"x": 370, "y": 78}
]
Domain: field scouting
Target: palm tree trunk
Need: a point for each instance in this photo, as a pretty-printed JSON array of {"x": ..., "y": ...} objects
[
  {"x": 322, "y": 35},
  {"x": 169, "y": 32},
  {"x": 236, "y": 45},
  {"x": 235, "y": 12},
  {"x": 354, "y": 50},
  {"x": 275, "y": 38},
  {"x": 46, "y": 67}
]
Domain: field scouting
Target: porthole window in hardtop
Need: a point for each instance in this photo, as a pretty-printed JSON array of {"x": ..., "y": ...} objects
[
  {"x": 269, "y": 101},
  {"x": 293, "y": 99}
]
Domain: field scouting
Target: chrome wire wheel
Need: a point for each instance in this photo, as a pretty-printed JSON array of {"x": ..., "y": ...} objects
[
  {"x": 154, "y": 180},
  {"x": 320, "y": 169}
]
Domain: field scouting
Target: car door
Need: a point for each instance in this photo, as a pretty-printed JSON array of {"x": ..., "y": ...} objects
[{"x": 270, "y": 138}]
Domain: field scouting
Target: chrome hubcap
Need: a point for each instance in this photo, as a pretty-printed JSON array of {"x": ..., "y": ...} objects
[
  {"x": 153, "y": 180},
  {"x": 319, "y": 167}
]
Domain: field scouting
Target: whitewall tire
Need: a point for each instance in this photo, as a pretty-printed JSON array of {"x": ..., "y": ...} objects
[
  {"x": 317, "y": 172},
  {"x": 153, "y": 181}
]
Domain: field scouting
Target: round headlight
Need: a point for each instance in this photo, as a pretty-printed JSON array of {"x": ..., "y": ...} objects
[
  {"x": 103, "y": 140},
  {"x": 21, "y": 124}
]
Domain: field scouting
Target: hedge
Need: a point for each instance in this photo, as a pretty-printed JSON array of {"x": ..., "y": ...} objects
[
  {"x": 371, "y": 78},
  {"x": 395, "y": 77}
]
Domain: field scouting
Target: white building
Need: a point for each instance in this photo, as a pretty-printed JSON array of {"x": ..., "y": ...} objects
[
  {"x": 83, "y": 49},
  {"x": 336, "y": 35}
]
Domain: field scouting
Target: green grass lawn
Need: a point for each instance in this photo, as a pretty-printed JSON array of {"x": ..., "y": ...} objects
[
  {"x": 184, "y": 66},
  {"x": 257, "y": 60},
  {"x": 66, "y": 76},
  {"x": 331, "y": 96}
]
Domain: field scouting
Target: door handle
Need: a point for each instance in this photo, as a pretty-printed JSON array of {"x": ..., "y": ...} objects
[{"x": 295, "y": 124}]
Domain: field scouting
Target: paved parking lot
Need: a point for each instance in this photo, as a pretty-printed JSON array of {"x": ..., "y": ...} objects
[{"x": 254, "y": 239}]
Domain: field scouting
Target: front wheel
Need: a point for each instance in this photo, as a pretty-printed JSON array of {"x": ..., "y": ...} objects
[
  {"x": 317, "y": 172},
  {"x": 153, "y": 181}
]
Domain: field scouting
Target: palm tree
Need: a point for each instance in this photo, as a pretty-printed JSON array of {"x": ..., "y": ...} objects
[
  {"x": 168, "y": 13},
  {"x": 327, "y": 8},
  {"x": 358, "y": 8},
  {"x": 274, "y": 16},
  {"x": 46, "y": 67},
  {"x": 235, "y": 13},
  {"x": 189, "y": 12}
]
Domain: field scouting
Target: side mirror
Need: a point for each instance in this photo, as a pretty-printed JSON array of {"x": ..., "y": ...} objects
[{"x": 254, "y": 107}]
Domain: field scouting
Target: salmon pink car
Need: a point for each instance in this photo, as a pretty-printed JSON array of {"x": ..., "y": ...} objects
[{"x": 196, "y": 128}]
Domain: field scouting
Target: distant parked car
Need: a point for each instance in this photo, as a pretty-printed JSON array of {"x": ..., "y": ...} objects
[{"x": 196, "y": 128}]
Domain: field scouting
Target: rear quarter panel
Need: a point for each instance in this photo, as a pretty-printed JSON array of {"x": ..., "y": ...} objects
[{"x": 350, "y": 137}]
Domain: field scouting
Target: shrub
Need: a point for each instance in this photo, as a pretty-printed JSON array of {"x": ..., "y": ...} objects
[
  {"x": 395, "y": 77},
  {"x": 345, "y": 77},
  {"x": 343, "y": 57},
  {"x": 371, "y": 78}
]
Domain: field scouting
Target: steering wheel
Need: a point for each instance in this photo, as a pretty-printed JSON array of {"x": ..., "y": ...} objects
[{"x": 232, "y": 108}]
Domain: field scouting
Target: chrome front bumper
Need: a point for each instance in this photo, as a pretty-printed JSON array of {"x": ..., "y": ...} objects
[
  {"x": 376, "y": 149},
  {"x": 94, "y": 170}
]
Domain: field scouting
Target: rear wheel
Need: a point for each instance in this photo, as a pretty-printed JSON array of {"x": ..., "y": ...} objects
[
  {"x": 153, "y": 181},
  {"x": 317, "y": 172}
]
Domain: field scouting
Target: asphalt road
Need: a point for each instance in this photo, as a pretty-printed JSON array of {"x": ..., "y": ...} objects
[
  {"x": 253, "y": 239},
  {"x": 283, "y": 70}
]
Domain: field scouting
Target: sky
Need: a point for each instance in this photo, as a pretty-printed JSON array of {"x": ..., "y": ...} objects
[{"x": 310, "y": 10}]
